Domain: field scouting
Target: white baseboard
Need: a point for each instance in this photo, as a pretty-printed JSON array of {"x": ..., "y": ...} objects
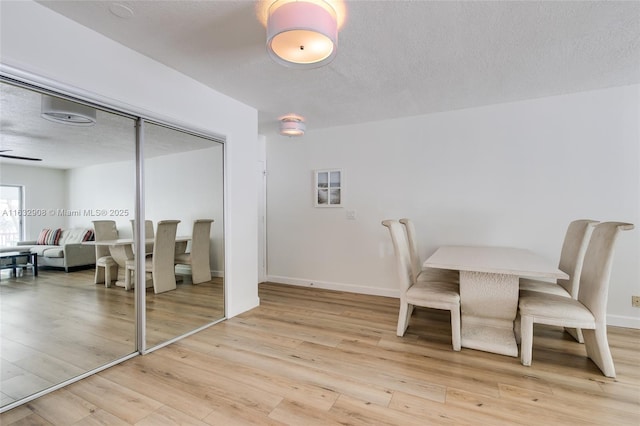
[
  {"x": 621, "y": 321},
  {"x": 614, "y": 320},
  {"x": 186, "y": 270},
  {"x": 349, "y": 288}
]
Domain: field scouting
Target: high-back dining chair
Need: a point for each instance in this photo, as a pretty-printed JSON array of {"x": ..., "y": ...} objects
[
  {"x": 198, "y": 257},
  {"x": 429, "y": 294},
  {"x": 588, "y": 312},
  {"x": 106, "y": 267},
  {"x": 424, "y": 274},
  {"x": 572, "y": 255},
  {"x": 148, "y": 233},
  {"x": 161, "y": 263}
]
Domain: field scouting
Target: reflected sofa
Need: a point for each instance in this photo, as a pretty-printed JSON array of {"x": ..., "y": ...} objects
[{"x": 66, "y": 251}]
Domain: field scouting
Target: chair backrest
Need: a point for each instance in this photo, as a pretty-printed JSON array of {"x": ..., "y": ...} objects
[
  {"x": 576, "y": 241},
  {"x": 412, "y": 240},
  {"x": 104, "y": 230},
  {"x": 200, "y": 238},
  {"x": 401, "y": 250},
  {"x": 164, "y": 247},
  {"x": 596, "y": 270},
  {"x": 148, "y": 233}
]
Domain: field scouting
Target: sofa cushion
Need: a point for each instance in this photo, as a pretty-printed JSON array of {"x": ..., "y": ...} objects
[
  {"x": 76, "y": 236},
  {"x": 50, "y": 237},
  {"x": 40, "y": 249},
  {"x": 54, "y": 252}
]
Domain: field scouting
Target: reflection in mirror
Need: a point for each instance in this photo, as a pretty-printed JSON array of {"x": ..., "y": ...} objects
[
  {"x": 183, "y": 182},
  {"x": 60, "y": 319}
]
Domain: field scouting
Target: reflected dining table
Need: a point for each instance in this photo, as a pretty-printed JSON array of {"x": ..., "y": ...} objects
[
  {"x": 489, "y": 288},
  {"x": 121, "y": 250}
]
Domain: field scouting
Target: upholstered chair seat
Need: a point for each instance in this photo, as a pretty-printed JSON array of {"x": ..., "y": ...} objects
[
  {"x": 588, "y": 312},
  {"x": 428, "y": 294},
  {"x": 574, "y": 247}
]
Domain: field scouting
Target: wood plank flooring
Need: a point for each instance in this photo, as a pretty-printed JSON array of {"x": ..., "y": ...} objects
[
  {"x": 316, "y": 357},
  {"x": 58, "y": 325}
]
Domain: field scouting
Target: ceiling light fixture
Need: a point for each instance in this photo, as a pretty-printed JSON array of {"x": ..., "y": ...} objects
[
  {"x": 292, "y": 125},
  {"x": 302, "y": 33},
  {"x": 67, "y": 112}
]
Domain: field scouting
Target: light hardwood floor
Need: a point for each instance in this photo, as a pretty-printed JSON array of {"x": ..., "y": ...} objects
[
  {"x": 58, "y": 325},
  {"x": 315, "y": 357}
]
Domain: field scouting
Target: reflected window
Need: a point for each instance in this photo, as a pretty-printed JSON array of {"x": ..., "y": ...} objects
[{"x": 12, "y": 210}]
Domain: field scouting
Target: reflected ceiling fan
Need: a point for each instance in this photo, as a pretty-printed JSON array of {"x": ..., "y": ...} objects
[{"x": 16, "y": 157}]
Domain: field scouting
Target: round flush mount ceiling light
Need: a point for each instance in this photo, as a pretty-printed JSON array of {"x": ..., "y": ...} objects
[
  {"x": 302, "y": 33},
  {"x": 67, "y": 112},
  {"x": 292, "y": 125}
]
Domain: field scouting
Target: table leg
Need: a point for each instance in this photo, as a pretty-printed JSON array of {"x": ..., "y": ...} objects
[
  {"x": 488, "y": 304},
  {"x": 121, "y": 253},
  {"x": 34, "y": 264}
]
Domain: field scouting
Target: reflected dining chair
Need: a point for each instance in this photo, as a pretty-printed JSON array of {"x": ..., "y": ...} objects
[
  {"x": 425, "y": 274},
  {"x": 429, "y": 294},
  {"x": 148, "y": 233},
  {"x": 198, "y": 257},
  {"x": 588, "y": 312},
  {"x": 161, "y": 263},
  {"x": 572, "y": 254},
  {"x": 106, "y": 266}
]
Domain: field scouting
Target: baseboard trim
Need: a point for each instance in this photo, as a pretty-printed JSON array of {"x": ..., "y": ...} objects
[
  {"x": 623, "y": 321},
  {"x": 349, "y": 288},
  {"x": 613, "y": 320}
]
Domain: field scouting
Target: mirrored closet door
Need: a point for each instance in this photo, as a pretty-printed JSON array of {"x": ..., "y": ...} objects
[
  {"x": 73, "y": 165},
  {"x": 72, "y": 183},
  {"x": 183, "y": 194}
]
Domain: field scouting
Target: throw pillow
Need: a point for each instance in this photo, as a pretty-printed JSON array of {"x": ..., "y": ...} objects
[
  {"x": 88, "y": 236},
  {"x": 49, "y": 237}
]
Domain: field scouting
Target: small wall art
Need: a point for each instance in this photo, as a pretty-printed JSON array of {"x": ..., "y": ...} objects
[{"x": 329, "y": 188}]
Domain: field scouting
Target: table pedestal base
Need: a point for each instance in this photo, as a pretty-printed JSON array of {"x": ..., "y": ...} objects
[{"x": 488, "y": 304}]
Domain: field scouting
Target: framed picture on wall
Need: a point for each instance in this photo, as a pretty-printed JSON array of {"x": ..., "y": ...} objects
[{"x": 328, "y": 188}]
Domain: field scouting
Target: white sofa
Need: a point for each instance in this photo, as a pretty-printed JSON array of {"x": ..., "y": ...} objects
[{"x": 68, "y": 253}]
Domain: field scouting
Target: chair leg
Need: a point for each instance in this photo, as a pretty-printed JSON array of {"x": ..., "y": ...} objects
[
  {"x": 455, "y": 329},
  {"x": 516, "y": 329},
  {"x": 526, "y": 345},
  {"x": 576, "y": 333},
  {"x": 403, "y": 317},
  {"x": 99, "y": 277},
  {"x": 597, "y": 346},
  {"x": 127, "y": 279}
]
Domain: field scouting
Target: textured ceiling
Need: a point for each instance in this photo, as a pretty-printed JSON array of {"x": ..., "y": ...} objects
[{"x": 395, "y": 58}]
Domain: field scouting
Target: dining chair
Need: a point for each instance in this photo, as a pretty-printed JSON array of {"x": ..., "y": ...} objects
[
  {"x": 429, "y": 294},
  {"x": 198, "y": 257},
  {"x": 161, "y": 263},
  {"x": 572, "y": 254},
  {"x": 588, "y": 312},
  {"x": 148, "y": 233},
  {"x": 420, "y": 273},
  {"x": 106, "y": 266}
]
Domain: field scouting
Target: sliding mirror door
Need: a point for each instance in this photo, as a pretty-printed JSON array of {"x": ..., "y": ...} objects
[
  {"x": 183, "y": 176},
  {"x": 71, "y": 168}
]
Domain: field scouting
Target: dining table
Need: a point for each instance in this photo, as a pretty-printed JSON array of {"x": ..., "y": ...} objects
[
  {"x": 121, "y": 250},
  {"x": 489, "y": 288}
]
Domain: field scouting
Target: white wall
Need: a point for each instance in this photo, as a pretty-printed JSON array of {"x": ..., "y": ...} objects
[
  {"x": 102, "y": 69},
  {"x": 44, "y": 189},
  {"x": 512, "y": 174}
]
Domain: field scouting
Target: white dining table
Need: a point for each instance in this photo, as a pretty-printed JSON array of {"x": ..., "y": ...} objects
[
  {"x": 489, "y": 288},
  {"x": 121, "y": 250}
]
